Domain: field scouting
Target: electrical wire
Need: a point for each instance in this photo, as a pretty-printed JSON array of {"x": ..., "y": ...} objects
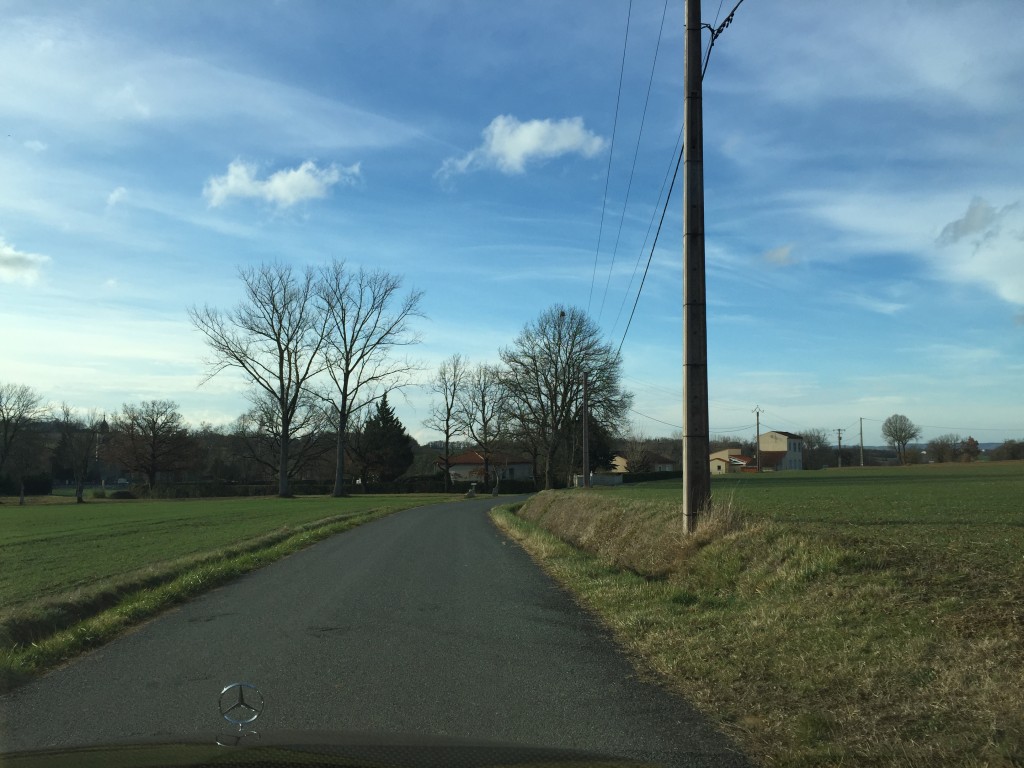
[
  {"x": 636, "y": 154},
  {"x": 611, "y": 153},
  {"x": 654, "y": 245}
]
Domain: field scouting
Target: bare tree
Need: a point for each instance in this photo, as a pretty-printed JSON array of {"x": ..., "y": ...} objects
[
  {"x": 544, "y": 378},
  {"x": 151, "y": 437},
  {"x": 480, "y": 411},
  {"x": 274, "y": 336},
  {"x": 945, "y": 448},
  {"x": 367, "y": 320},
  {"x": 447, "y": 383},
  {"x": 259, "y": 430},
  {"x": 79, "y": 444},
  {"x": 817, "y": 448},
  {"x": 898, "y": 431},
  {"x": 20, "y": 406},
  {"x": 636, "y": 449}
]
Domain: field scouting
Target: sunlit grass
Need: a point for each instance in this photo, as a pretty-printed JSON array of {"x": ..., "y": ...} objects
[{"x": 847, "y": 620}]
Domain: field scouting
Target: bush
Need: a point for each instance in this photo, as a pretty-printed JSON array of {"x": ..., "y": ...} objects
[
  {"x": 122, "y": 495},
  {"x": 98, "y": 493}
]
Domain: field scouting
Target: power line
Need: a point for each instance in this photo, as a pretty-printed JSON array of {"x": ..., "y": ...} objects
[
  {"x": 611, "y": 152},
  {"x": 647, "y": 236},
  {"x": 654, "y": 245},
  {"x": 667, "y": 424},
  {"x": 636, "y": 154}
]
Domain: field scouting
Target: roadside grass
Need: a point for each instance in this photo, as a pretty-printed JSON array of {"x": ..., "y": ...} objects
[
  {"x": 874, "y": 617},
  {"x": 74, "y": 576}
]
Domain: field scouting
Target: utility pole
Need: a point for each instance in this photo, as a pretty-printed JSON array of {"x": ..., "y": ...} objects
[
  {"x": 839, "y": 433},
  {"x": 757, "y": 440},
  {"x": 862, "y": 441},
  {"x": 586, "y": 435},
  {"x": 696, "y": 459}
]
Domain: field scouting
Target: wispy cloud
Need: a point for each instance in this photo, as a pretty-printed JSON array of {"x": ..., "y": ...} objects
[
  {"x": 34, "y": 145},
  {"x": 19, "y": 266},
  {"x": 872, "y": 303},
  {"x": 116, "y": 196},
  {"x": 509, "y": 145},
  {"x": 283, "y": 188},
  {"x": 986, "y": 246}
]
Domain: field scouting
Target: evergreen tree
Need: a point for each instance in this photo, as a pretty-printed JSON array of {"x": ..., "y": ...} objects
[{"x": 387, "y": 447}]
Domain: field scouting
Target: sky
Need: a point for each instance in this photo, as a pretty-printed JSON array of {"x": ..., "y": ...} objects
[{"x": 863, "y": 165}]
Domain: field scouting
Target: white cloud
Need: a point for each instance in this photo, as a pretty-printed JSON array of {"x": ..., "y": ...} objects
[
  {"x": 509, "y": 145},
  {"x": 283, "y": 188},
  {"x": 116, "y": 196},
  {"x": 986, "y": 246},
  {"x": 35, "y": 145},
  {"x": 19, "y": 267}
]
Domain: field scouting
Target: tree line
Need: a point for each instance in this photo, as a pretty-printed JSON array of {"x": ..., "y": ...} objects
[{"x": 321, "y": 350}]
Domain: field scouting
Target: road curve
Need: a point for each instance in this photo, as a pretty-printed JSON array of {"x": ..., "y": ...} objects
[{"x": 427, "y": 621}]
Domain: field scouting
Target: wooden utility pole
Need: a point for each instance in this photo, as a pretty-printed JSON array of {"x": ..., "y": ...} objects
[
  {"x": 757, "y": 436},
  {"x": 696, "y": 461},
  {"x": 862, "y": 441},
  {"x": 586, "y": 435},
  {"x": 839, "y": 434}
]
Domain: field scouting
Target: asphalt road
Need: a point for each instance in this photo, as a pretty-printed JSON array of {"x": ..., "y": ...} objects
[{"x": 425, "y": 622}]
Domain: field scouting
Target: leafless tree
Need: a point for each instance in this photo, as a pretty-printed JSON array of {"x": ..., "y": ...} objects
[
  {"x": 150, "y": 437},
  {"x": 945, "y": 448},
  {"x": 259, "y": 430},
  {"x": 636, "y": 450},
  {"x": 20, "y": 406},
  {"x": 817, "y": 448},
  {"x": 447, "y": 383},
  {"x": 544, "y": 377},
  {"x": 275, "y": 336},
  {"x": 480, "y": 411},
  {"x": 367, "y": 321},
  {"x": 898, "y": 431},
  {"x": 79, "y": 444}
]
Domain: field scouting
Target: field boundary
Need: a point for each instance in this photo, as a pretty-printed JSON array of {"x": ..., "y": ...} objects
[
  {"x": 37, "y": 637},
  {"x": 842, "y": 643}
]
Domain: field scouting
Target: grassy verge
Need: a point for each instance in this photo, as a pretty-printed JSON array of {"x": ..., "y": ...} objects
[
  {"x": 867, "y": 637},
  {"x": 47, "y": 626}
]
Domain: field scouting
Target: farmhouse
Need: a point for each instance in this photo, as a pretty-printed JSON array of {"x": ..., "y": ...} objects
[{"x": 469, "y": 466}]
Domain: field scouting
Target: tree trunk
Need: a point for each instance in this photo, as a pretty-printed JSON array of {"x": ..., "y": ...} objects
[
  {"x": 282, "y": 484},
  {"x": 447, "y": 473},
  {"x": 79, "y": 491},
  {"x": 21, "y": 492},
  {"x": 548, "y": 458},
  {"x": 339, "y": 465}
]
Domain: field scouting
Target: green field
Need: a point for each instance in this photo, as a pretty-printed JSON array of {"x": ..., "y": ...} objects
[
  {"x": 73, "y": 576},
  {"x": 853, "y": 617},
  {"x": 51, "y": 550}
]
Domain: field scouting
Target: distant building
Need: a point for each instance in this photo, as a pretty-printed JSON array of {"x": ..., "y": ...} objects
[
  {"x": 778, "y": 451},
  {"x": 731, "y": 460},
  {"x": 658, "y": 463},
  {"x": 469, "y": 466},
  {"x": 781, "y": 451}
]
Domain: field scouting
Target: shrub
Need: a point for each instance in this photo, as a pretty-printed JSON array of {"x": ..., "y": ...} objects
[
  {"x": 123, "y": 495},
  {"x": 98, "y": 493}
]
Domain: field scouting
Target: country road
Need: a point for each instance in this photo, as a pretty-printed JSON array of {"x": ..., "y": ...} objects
[{"x": 425, "y": 622}]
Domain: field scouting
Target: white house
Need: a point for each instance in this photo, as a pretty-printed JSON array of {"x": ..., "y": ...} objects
[{"x": 469, "y": 466}]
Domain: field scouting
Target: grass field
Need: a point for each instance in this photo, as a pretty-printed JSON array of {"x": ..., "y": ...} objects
[
  {"x": 73, "y": 575},
  {"x": 854, "y": 617}
]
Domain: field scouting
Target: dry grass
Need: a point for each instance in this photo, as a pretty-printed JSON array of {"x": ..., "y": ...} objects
[
  {"x": 639, "y": 534},
  {"x": 813, "y": 644}
]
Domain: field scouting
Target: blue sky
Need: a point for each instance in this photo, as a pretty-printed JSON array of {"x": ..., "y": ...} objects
[{"x": 863, "y": 169}]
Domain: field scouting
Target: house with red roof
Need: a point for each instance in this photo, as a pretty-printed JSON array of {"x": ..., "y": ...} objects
[{"x": 469, "y": 466}]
